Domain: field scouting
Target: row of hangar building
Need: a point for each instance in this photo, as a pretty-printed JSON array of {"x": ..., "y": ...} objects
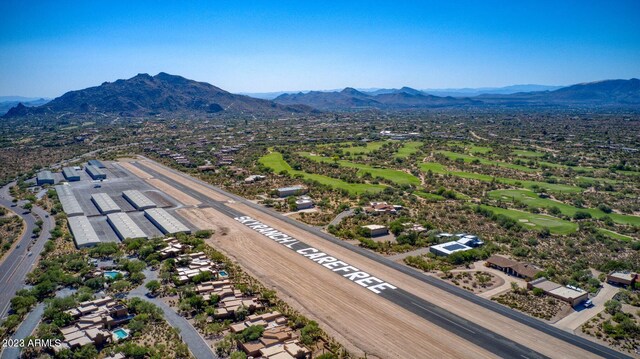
[
  {"x": 94, "y": 168},
  {"x": 123, "y": 225}
]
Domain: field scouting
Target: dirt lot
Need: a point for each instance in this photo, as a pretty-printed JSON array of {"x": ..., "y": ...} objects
[
  {"x": 194, "y": 185},
  {"x": 135, "y": 170},
  {"x": 473, "y": 281},
  {"x": 173, "y": 192},
  {"x": 378, "y": 326}
]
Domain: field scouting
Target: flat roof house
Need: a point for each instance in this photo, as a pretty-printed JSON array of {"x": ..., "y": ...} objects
[
  {"x": 572, "y": 295},
  {"x": 376, "y": 230},
  {"x": 470, "y": 240},
  {"x": 304, "y": 203},
  {"x": 445, "y": 249},
  {"x": 622, "y": 278}
]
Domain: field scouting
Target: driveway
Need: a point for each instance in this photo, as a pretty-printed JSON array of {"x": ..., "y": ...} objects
[
  {"x": 574, "y": 320},
  {"x": 336, "y": 221},
  {"x": 196, "y": 343},
  {"x": 506, "y": 286}
]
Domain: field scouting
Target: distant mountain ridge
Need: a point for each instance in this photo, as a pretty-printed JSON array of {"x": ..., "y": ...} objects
[
  {"x": 25, "y": 101},
  {"x": 164, "y": 93},
  {"x": 453, "y": 92},
  {"x": 602, "y": 93},
  {"x": 350, "y": 98}
]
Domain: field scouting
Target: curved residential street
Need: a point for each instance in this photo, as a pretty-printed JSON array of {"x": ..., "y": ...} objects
[
  {"x": 30, "y": 323},
  {"x": 17, "y": 262},
  {"x": 196, "y": 343}
]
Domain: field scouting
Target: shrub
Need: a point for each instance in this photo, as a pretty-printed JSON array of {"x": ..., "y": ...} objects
[{"x": 581, "y": 215}]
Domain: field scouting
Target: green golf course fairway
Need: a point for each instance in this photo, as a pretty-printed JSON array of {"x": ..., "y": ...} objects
[
  {"x": 407, "y": 149},
  {"x": 275, "y": 161},
  {"x": 527, "y": 153},
  {"x": 429, "y": 196},
  {"x": 468, "y": 158},
  {"x": 536, "y": 221},
  {"x": 368, "y": 148},
  {"x": 551, "y": 187},
  {"x": 614, "y": 235},
  {"x": 531, "y": 199},
  {"x": 392, "y": 175}
]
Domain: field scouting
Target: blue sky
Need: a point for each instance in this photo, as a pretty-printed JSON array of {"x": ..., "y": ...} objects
[{"x": 50, "y": 47}]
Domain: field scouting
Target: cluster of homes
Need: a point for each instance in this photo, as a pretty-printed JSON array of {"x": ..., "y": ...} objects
[
  {"x": 230, "y": 299},
  {"x": 223, "y": 157},
  {"x": 278, "y": 341},
  {"x": 381, "y": 208},
  {"x": 570, "y": 294},
  {"x": 197, "y": 263},
  {"x": 173, "y": 248},
  {"x": 180, "y": 159},
  {"x": 94, "y": 322}
]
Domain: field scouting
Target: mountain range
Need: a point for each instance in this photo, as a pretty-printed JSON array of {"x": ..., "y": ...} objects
[
  {"x": 454, "y": 92},
  {"x": 622, "y": 93},
  {"x": 144, "y": 95},
  {"x": 7, "y": 102},
  {"x": 148, "y": 95}
]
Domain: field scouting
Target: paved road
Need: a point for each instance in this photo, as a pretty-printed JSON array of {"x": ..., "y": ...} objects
[
  {"x": 196, "y": 343},
  {"x": 24, "y": 330},
  {"x": 499, "y": 345},
  {"x": 30, "y": 323},
  {"x": 17, "y": 263}
]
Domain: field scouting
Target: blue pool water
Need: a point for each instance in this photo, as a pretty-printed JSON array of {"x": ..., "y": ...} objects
[
  {"x": 120, "y": 333},
  {"x": 111, "y": 274},
  {"x": 223, "y": 273}
]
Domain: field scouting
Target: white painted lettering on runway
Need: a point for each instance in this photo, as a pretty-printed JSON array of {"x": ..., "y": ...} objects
[{"x": 344, "y": 269}]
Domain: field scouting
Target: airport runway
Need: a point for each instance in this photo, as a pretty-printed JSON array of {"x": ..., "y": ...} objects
[{"x": 493, "y": 342}]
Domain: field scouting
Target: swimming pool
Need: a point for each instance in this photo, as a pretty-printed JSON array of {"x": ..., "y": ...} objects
[
  {"x": 112, "y": 274},
  {"x": 223, "y": 274},
  {"x": 121, "y": 333}
]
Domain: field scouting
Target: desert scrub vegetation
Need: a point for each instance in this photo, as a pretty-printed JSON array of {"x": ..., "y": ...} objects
[
  {"x": 473, "y": 281},
  {"x": 618, "y": 324},
  {"x": 533, "y": 303},
  {"x": 11, "y": 227}
]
